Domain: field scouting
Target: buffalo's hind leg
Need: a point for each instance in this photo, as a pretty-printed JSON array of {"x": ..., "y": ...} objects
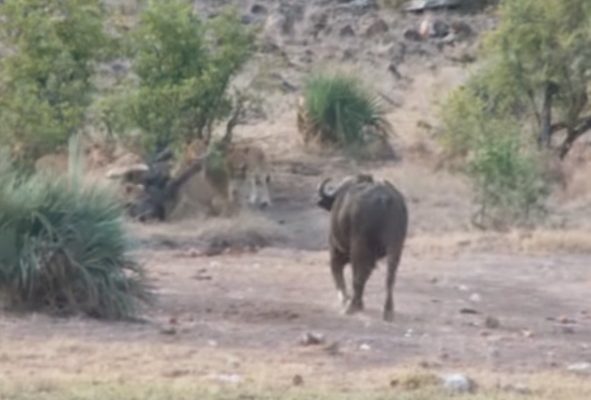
[
  {"x": 363, "y": 263},
  {"x": 338, "y": 261},
  {"x": 393, "y": 261}
]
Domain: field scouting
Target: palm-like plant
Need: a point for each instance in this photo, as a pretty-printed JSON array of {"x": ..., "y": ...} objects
[
  {"x": 63, "y": 248},
  {"x": 338, "y": 109}
]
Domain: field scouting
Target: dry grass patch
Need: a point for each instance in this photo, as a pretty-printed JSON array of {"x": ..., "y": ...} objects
[{"x": 247, "y": 229}]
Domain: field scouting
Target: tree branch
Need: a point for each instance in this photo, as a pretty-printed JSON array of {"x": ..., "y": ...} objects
[{"x": 582, "y": 127}]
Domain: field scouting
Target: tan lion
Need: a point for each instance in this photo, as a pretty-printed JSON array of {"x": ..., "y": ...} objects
[{"x": 221, "y": 184}]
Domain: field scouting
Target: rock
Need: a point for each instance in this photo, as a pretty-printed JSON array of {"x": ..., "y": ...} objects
[
  {"x": 259, "y": 9},
  {"x": 459, "y": 383},
  {"x": 527, "y": 333},
  {"x": 318, "y": 23},
  {"x": 378, "y": 27},
  {"x": 461, "y": 29},
  {"x": 311, "y": 339},
  {"x": 333, "y": 349},
  {"x": 568, "y": 330},
  {"x": 168, "y": 330},
  {"x": 346, "y": 31},
  {"x": 518, "y": 388},
  {"x": 492, "y": 322},
  {"x": 364, "y": 347},
  {"x": 440, "y": 29},
  {"x": 412, "y": 34},
  {"x": 468, "y": 311},
  {"x": 297, "y": 380},
  {"x": 420, "y": 5},
  {"x": 228, "y": 378},
  {"x": 582, "y": 368},
  {"x": 475, "y": 298}
]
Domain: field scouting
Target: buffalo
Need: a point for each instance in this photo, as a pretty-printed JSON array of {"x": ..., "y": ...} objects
[{"x": 369, "y": 221}]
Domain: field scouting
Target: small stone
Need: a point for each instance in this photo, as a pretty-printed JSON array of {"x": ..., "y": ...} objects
[
  {"x": 527, "y": 333},
  {"x": 459, "y": 383},
  {"x": 333, "y": 349},
  {"x": 228, "y": 378},
  {"x": 347, "y": 31},
  {"x": 475, "y": 298},
  {"x": 566, "y": 320},
  {"x": 297, "y": 380},
  {"x": 378, "y": 27},
  {"x": 365, "y": 347},
  {"x": 259, "y": 9},
  {"x": 311, "y": 338},
  {"x": 168, "y": 330},
  {"x": 518, "y": 388},
  {"x": 492, "y": 322},
  {"x": 412, "y": 34},
  {"x": 568, "y": 330},
  {"x": 583, "y": 368}
]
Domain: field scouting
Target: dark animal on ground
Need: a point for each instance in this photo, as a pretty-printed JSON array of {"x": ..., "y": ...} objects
[{"x": 369, "y": 221}]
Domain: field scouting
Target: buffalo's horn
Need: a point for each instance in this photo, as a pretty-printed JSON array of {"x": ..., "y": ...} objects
[{"x": 322, "y": 188}]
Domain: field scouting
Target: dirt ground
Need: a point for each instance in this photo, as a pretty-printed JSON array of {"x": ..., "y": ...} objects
[{"x": 513, "y": 303}]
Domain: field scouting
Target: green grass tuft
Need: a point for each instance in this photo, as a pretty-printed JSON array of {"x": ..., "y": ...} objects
[
  {"x": 342, "y": 111},
  {"x": 63, "y": 248}
]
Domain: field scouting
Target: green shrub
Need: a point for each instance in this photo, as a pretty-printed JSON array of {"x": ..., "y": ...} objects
[
  {"x": 63, "y": 248},
  {"x": 184, "y": 66},
  {"x": 508, "y": 179},
  {"x": 505, "y": 169},
  {"x": 341, "y": 110},
  {"x": 45, "y": 80}
]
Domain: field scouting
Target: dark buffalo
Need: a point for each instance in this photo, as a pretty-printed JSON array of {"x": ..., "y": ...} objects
[{"x": 369, "y": 221}]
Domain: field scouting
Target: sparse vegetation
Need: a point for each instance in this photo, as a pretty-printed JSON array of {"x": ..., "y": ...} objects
[
  {"x": 45, "y": 79},
  {"x": 184, "y": 66},
  {"x": 340, "y": 110},
  {"x": 538, "y": 61},
  {"x": 64, "y": 248},
  {"x": 534, "y": 84},
  {"x": 505, "y": 169}
]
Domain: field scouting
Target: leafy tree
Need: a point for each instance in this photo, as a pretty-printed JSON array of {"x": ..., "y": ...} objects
[
  {"x": 45, "y": 80},
  {"x": 184, "y": 66},
  {"x": 540, "y": 59}
]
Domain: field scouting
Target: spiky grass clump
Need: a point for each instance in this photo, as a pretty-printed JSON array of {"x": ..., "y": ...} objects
[
  {"x": 63, "y": 248},
  {"x": 340, "y": 110}
]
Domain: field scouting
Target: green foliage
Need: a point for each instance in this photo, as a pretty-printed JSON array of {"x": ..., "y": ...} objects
[
  {"x": 505, "y": 171},
  {"x": 184, "y": 66},
  {"x": 542, "y": 44},
  {"x": 63, "y": 248},
  {"x": 535, "y": 78},
  {"x": 508, "y": 181},
  {"x": 45, "y": 80},
  {"x": 341, "y": 110}
]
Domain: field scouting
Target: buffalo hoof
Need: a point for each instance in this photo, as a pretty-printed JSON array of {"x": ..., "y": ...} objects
[
  {"x": 353, "y": 308},
  {"x": 388, "y": 315},
  {"x": 343, "y": 298}
]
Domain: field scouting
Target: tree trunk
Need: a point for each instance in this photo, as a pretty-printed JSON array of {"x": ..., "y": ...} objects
[
  {"x": 546, "y": 116},
  {"x": 573, "y": 134}
]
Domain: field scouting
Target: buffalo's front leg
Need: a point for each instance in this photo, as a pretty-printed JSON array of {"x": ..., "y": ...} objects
[{"x": 338, "y": 261}]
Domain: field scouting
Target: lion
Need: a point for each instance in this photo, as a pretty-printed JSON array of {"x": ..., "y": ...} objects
[{"x": 229, "y": 171}]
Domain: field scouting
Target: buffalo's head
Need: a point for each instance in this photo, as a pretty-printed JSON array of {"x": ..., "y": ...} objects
[{"x": 328, "y": 196}]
